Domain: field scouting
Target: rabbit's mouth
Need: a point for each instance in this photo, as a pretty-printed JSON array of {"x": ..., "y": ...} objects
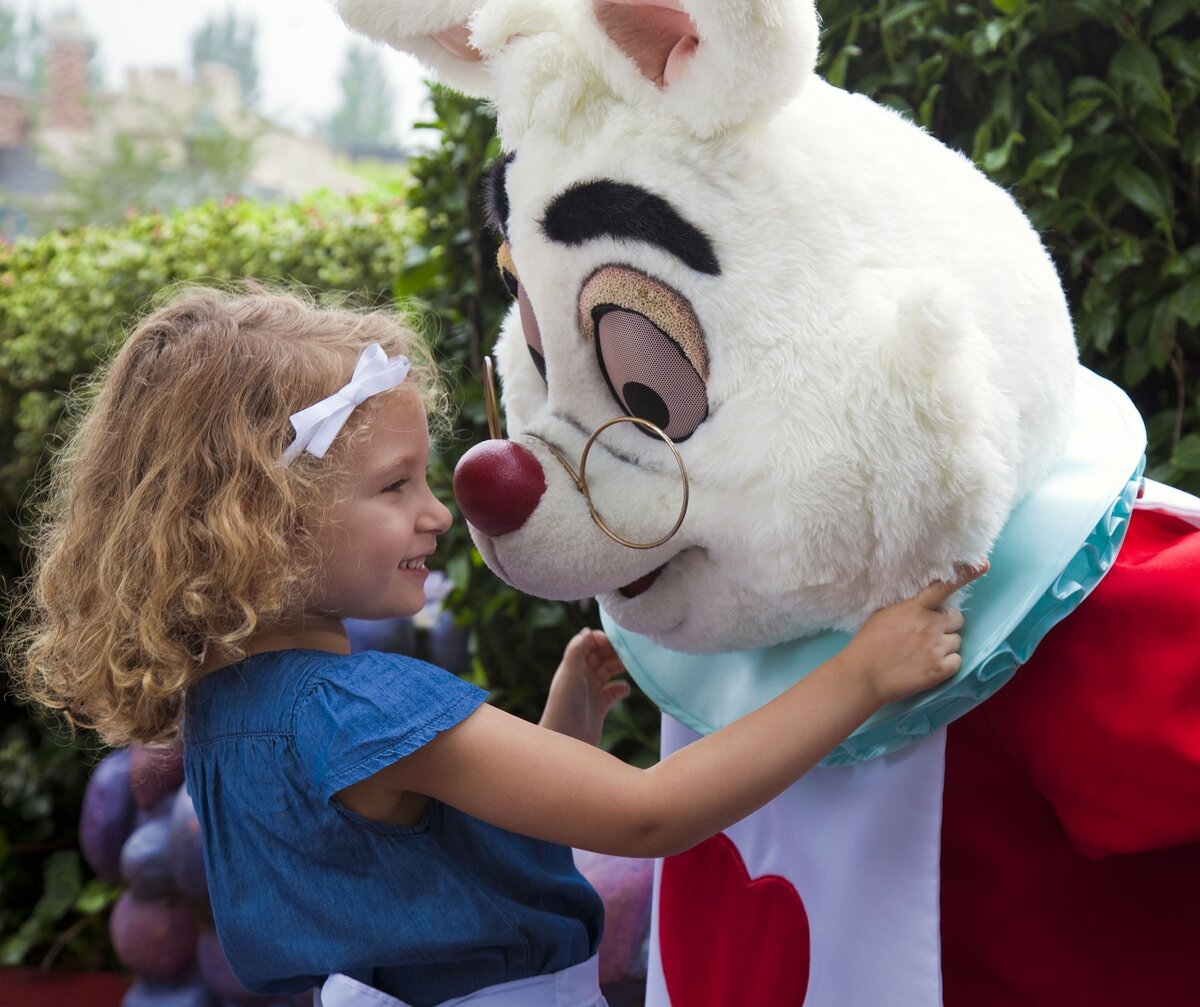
[{"x": 642, "y": 584}]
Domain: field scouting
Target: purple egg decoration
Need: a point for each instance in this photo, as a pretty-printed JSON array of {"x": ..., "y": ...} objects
[
  {"x": 155, "y": 772},
  {"x": 108, "y": 815},
  {"x": 625, "y": 886},
  {"x": 154, "y": 938},
  {"x": 183, "y": 847},
  {"x": 160, "y": 810},
  {"x": 144, "y": 863},
  {"x": 217, "y": 975},
  {"x": 186, "y": 992}
]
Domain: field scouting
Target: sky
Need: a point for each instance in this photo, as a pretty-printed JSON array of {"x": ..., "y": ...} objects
[{"x": 301, "y": 45}]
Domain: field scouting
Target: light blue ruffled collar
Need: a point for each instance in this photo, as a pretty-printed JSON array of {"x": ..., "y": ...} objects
[{"x": 1055, "y": 548}]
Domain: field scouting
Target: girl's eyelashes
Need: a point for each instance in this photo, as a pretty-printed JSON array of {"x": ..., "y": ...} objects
[{"x": 395, "y": 487}]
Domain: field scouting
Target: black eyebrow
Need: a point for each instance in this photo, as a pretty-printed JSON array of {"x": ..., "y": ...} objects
[
  {"x": 495, "y": 193},
  {"x": 609, "y": 209}
]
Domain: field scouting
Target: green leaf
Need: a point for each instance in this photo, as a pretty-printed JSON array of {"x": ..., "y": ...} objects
[
  {"x": 96, "y": 897},
  {"x": 1090, "y": 87},
  {"x": 1187, "y": 453},
  {"x": 836, "y": 74},
  {"x": 1183, "y": 56},
  {"x": 1046, "y": 161},
  {"x": 998, "y": 157},
  {"x": 1161, "y": 337},
  {"x": 1098, "y": 325},
  {"x": 63, "y": 878},
  {"x": 1165, "y": 14},
  {"x": 1010, "y": 7},
  {"x": 1157, "y": 130},
  {"x": 14, "y": 950},
  {"x": 1126, "y": 254},
  {"x": 417, "y": 281},
  {"x": 1148, "y": 195},
  {"x": 1190, "y": 148},
  {"x": 901, "y": 13},
  {"x": 926, "y": 109},
  {"x": 993, "y": 33},
  {"x": 1187, "y": 302},
  {"x": 1046, "y": 119},
  {"x": 1102, "y": 10},
  {"x": 458, "y": 570},
  {"x": 1137, "y": 366},
  {"x": 1135, "y": 63},
  {"x": 546, "y": 616}
]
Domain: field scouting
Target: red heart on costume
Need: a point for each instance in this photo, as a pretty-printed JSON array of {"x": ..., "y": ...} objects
[{"x": 727, "y": 938}]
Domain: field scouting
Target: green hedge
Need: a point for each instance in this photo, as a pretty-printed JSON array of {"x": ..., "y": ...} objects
[{"x": 65, "y": 297}]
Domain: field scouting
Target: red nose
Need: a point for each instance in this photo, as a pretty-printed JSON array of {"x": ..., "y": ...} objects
[{"x": 498, "y": 485}]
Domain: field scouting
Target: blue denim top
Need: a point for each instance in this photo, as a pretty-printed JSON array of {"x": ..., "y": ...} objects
[{"x": 302, "y": 887}]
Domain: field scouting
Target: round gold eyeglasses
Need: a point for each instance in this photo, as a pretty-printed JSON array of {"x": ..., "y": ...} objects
[{"x": 579, "y": 477}]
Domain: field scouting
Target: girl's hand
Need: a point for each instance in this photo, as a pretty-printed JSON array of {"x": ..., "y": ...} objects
[
  {"x": 584, "y": 687},
  {"x": 912, "y": 645}
]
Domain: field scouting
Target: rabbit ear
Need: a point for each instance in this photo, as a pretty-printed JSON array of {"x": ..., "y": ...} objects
[
  {"x": 717, "y": 63},
  {"x": 437, "y": 32},
  {"x": 659, "y": 37}
]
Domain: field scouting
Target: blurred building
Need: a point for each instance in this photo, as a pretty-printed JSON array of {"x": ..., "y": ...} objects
[{"x": 68, "y": 128}]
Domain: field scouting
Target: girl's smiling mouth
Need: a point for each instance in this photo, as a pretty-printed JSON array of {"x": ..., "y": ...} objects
[{"x": 415, "y": 567}]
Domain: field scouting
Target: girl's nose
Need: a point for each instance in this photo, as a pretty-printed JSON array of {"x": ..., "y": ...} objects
[
  {"x": 498, "y": 485},
  {"x": 443, "y": 519}
]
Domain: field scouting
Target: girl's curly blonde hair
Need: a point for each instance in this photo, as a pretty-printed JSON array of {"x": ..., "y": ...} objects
[{"x": 172, "y": 529}]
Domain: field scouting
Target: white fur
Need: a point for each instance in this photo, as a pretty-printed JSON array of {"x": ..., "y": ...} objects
[
  {"x": 891, "y": 357},
  {"x": 410, "y": 27}
]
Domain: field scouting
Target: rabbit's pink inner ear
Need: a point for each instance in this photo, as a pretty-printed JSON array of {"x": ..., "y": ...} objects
[
  {"x": 457, "y": 42},
  {"x": 659, "y": 37}
]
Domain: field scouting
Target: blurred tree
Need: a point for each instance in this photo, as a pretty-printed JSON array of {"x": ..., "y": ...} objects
[
  {"x": 229, "y": 41},
  {"x": 10, "y": 45},
  {"x": 22, "y": 52},
  {"x": 363, "y": 121},
  {"x": 128, "y": 174},
  {"x": 32, "y": 56}
]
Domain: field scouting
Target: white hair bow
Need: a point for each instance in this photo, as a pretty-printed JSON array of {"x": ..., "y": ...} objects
[{"x": 317, "y": 426}]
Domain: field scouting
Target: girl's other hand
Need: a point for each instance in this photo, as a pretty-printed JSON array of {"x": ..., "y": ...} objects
[
  {"x": 585, "y": 687},
  {"x": 912, "y": 645}
]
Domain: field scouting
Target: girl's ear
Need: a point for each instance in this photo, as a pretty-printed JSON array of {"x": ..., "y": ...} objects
[
  {"x": 716, "y": 63},
  {"x": 437, "y": 32}
]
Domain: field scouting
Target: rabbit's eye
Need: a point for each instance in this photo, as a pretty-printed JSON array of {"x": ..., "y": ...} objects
[
  {"x": 533, "y": 335},
  {"x": 650, "y": 349},
  {"x": 529, "y": 325}
]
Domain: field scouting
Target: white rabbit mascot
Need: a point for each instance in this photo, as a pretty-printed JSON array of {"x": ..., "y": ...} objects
[{"x": 839, "y": 362}]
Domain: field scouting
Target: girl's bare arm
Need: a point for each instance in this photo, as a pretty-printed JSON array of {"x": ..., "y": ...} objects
[{"x": 524, "y": 778}]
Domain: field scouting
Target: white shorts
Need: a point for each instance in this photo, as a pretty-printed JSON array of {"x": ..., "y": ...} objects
[{"x": 577, "y": 986}]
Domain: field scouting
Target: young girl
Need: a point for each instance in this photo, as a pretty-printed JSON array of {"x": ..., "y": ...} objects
[{"x": 253, "y": 471}]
